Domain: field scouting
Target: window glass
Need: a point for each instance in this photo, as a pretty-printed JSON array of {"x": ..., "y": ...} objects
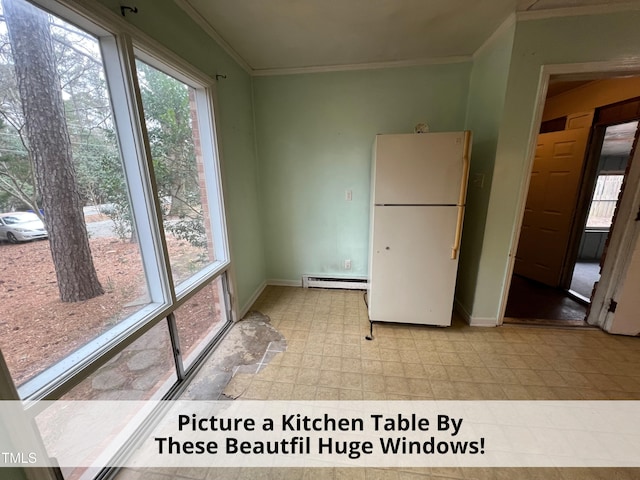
[
  {"x": 199, "y": 319},
  {"x": 76, "y": 270},
  {"x": 144, "y": 370},
  {"x": 172, "y": 123},
  {"x": 83, "y": 262},
  {"x": 603, "y": 203}
]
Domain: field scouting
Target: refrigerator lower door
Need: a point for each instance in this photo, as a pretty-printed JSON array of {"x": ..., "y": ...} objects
[{"x": 412, "y": 275}]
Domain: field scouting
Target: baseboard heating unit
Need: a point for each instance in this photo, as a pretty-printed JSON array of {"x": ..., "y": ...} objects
[{"x": 319, "y": 281}]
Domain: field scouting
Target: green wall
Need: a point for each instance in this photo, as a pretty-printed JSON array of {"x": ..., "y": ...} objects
[
  {"x": 287, "y": 210},
  {"x": 563, "y": 40},
  {"x": 484, "y": 114},
  {"x": 314, "y": 137},
  {"x": 172, "y": 27}
]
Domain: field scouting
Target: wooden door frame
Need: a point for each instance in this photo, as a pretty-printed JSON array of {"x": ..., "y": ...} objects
[
  {"x": 589, "y": 174},
  {"x": 622, "y": 238},
  {"x": 609, "y": 281}
]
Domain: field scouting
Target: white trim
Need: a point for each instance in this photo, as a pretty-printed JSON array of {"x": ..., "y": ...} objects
[
  {"x": 128, "y": 119},
  {"x": 208, "y": 123},
  {"x": 623, "y": 66},
  {"x": 417, "y": 62},
  {"x": 482, "y": 322},
  {"x": 193, "y": 13},
  {"x": 576, "y": 11},
  {"x": 504, "y": 26},
  {"x": 209, "y": 30},
  {"x": 543, "y": 84},
  {"x": 463, "y": 313},
  {"x": 212, "y": 90},
  {"x": 624, "y": 236},
  {"x": 284, "y": 283},
  {"x": 252, "y": 299},
  {"x": 106, "y": 19},
  {"x": 118, "y": 39},
  {"x": 170, "y": 64}
]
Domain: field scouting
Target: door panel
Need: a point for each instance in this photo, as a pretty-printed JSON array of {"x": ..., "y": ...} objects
[
  {"x": 551, "y": 204},
  {"x": 412, "y": 274}
]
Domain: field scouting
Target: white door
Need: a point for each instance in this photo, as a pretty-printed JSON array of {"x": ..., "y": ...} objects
[
  {"x": 419, "y": 169},
  {"x": 412, "y": 274},
  {"x": 551, "y": 205}
]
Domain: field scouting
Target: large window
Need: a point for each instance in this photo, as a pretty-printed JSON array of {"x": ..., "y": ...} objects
[
  {"x": 42, "y": 329},
  {"x": 171, "y": 119},
  {"x": 110, "y": 144}
]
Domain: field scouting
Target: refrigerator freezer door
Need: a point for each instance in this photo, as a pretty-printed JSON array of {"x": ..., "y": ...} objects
[
  {"x": 418, "y": 169},
  {"x": 412, "y": 275}
]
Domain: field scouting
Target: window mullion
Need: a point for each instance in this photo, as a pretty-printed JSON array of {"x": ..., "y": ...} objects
[
  {"x": 127, "y": 109},
  {"x": 175, "y": 344}
]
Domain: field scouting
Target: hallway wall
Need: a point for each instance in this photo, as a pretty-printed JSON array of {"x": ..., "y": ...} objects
[{"x": 558, "y": 40}]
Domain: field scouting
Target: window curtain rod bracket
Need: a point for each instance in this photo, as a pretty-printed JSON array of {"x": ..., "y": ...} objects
[{"x": 124, "y": 9}]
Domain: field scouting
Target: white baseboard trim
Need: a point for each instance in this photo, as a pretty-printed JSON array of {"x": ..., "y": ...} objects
[
  {"x": 483, "y": 322},
  {"x": 252, "y": 299},
  {"x": 473, "y": 321},
  {"x": 276, "y": 282}
]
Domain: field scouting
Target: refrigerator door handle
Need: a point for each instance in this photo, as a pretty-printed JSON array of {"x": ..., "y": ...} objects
[
  {"x": 463, "y": 193},
  {"x": 465, "y": 168},
  {"x": 458, "y": 237}
]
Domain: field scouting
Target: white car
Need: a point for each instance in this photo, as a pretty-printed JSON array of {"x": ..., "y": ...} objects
[{"x": 21, "y": 226}]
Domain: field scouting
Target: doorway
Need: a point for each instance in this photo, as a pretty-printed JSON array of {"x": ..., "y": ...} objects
[
  {"x": 575, "y": 183},
  {"x": 612, "y": 162}
]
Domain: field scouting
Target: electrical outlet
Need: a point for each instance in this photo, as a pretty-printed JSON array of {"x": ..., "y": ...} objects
[
  {"x": 347, "y": 264},
  {"x": 348, "y": 195}
]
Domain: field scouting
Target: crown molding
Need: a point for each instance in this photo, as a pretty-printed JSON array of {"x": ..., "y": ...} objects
[
  {"x": 361, "y": 66},
  {"x": 577, "y": 11},
  {"x": 512, "y": 19},
  {"x": 209, "y": 30},
  {"x": 186, "y": 6}
]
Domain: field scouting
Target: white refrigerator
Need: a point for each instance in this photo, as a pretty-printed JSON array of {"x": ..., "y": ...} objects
[{"x": 419, "y": 186}]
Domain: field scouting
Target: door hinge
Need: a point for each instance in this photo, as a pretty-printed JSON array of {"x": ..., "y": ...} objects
[{"x": 612, "y": 306}]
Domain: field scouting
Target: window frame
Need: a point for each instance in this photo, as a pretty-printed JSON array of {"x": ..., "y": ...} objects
[
  {"x": 120, "y": 45},
  {"x": 604, "y": 173},
  {"x": 205, "y": 105}
]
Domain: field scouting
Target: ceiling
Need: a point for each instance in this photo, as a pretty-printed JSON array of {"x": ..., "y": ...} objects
[{"x": 275, "y": 35}]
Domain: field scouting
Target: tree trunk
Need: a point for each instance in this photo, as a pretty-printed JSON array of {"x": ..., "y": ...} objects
[{"x": 48, "y": 137}]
